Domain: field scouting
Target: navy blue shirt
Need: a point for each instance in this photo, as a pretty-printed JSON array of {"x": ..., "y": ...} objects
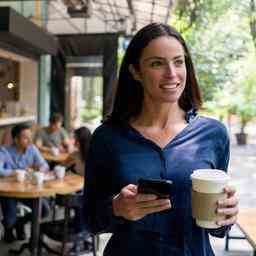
[{"x": 121, "y": 155}]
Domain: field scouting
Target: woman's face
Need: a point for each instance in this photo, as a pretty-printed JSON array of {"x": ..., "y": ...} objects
[
  {"x": 76, "y": 143},
  {"x": 162, "y": 70}
]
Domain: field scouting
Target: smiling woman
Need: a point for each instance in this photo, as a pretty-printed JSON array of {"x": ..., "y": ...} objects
[{"x": 154, "y": 132}]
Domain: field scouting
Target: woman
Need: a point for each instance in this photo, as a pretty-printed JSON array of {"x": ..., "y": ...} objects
[
  {"x": 154, "y": 132},
  {"x": 77, "y": 159}
]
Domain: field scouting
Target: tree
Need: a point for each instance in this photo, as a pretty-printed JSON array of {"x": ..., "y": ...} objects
[
  {"x": 216, "y": 48},
  {"x": 252, "y": 17}
]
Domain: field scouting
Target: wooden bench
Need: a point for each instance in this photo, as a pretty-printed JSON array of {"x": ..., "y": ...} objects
[{"x": 246, "y": 222}]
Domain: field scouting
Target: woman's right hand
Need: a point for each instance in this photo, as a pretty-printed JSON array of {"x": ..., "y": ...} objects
[{"x": 132, "y": 205}]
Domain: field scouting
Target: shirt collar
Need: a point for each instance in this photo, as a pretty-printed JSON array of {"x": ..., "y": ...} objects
[{"x": 190, "y": 115}]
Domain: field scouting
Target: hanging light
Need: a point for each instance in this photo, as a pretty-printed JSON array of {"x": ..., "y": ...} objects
[{"x": 10, "y": 85}]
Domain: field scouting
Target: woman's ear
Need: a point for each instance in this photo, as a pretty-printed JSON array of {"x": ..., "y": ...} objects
[{"x": 134, "y": 72}]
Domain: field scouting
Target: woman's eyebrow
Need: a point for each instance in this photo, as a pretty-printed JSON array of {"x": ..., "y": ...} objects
[
  {"x": 154, "y": 58},
  {"x": 162, "y": 58}
]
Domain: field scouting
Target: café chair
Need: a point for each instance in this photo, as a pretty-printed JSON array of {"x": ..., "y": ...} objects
[{"x": 63, "y": 230}]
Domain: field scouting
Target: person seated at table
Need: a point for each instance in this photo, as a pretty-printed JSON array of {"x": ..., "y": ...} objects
[
  {"x": 21, "y": 154},
  {"x": 54, "y": 136},
  {"x": 77, "y": 158},
  {"x": 76, "y": 161}
]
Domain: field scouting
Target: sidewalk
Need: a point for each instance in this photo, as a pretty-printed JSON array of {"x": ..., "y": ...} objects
[{"x": 243, "y": 175}]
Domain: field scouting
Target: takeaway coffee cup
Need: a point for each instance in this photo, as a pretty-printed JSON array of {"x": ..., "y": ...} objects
[
  {"x": 38, "y": 178},
  {"x": 207, "y": 189},
  {"x": 59, "y": 171},
  {"x": 21, "y": 175}
]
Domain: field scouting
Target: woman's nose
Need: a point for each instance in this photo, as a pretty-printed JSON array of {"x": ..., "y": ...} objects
[{"x": 170, "y": 70}]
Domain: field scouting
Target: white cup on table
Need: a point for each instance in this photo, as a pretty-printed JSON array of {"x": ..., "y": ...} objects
[
  {"x": 20, "y": 175},
  {"x": 60, "y": 171},
  {"x": 38, "y": 178}
]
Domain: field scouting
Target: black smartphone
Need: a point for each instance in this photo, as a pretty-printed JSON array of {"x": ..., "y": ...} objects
[{"x": 159, "y": 187}]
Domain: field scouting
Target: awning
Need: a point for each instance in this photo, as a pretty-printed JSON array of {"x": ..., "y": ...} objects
[
  {"x": 105, "y": 16},
  {"x": 23, "y": 37}
]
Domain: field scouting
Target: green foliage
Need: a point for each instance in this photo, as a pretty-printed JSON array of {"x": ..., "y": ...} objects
[
  {"x": 191, "y": 15},
  {"x": 222, "y": 40},
  {"x": 218, "y": 34},
  {"x": 244, "y": 94},
  {"x": 90, "y": 114}
]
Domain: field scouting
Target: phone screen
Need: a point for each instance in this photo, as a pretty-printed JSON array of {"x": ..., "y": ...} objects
[{"x": 161, "y": 188}]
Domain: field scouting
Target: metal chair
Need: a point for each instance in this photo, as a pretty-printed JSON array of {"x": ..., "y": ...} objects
[{"x": 63, "y": 230}]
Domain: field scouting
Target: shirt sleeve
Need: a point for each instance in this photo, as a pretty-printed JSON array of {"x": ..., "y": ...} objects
[
  {"x": 38, "y": 160},
  {"x": 5, "y": 168},
  {"x": 223, "y": 162},
  {"x": 98, "y": 193}
]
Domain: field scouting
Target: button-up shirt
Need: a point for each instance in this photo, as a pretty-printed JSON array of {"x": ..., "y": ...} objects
[{"x": 11, "y": 160}]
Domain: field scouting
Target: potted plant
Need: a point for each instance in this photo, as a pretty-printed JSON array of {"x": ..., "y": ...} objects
[
  {"x": 243, "y": 98},
  {"x": 246, "y": 111}
]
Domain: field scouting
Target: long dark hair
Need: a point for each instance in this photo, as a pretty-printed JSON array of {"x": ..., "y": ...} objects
[
  {"x": 129, "y": 94},
  {"x": 83, "y": 136}
]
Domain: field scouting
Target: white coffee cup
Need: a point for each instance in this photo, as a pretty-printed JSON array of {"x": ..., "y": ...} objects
[
  {"x": 207, "y": 188},
  {"x": 55, "y": 151},
  {"x": 38, "y": 178},
  {"x": 60, "y": 171},
  {"x": 21, "y": 175}
]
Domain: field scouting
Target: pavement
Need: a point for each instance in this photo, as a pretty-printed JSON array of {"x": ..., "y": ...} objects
[{"x": 242, "y": 170}]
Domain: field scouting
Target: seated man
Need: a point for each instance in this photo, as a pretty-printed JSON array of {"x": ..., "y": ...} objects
[
  {"x": 53, "y": 136},
  {"x": 21, "y": 154}
]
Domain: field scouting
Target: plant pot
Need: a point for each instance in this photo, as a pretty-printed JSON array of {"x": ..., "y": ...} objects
[{"x": 241, "y": 138}]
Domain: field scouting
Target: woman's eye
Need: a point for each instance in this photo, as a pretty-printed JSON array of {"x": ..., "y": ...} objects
[
  {"x": 156, "y": 63},
  {"x": 179, "y": 62}
]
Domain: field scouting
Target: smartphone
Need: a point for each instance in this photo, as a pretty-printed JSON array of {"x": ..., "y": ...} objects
[{"x": 159, "y": 187}]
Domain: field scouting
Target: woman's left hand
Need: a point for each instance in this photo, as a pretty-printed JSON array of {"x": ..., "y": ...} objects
[{"x": 228, "y": 207}]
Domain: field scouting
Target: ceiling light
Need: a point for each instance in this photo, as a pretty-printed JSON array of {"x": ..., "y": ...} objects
[{"x": 10, "y": 85}]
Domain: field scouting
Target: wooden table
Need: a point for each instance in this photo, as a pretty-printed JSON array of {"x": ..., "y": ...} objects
[
  {"x": 62, "y": 157},
  {"x": 9, "y": 187}
]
